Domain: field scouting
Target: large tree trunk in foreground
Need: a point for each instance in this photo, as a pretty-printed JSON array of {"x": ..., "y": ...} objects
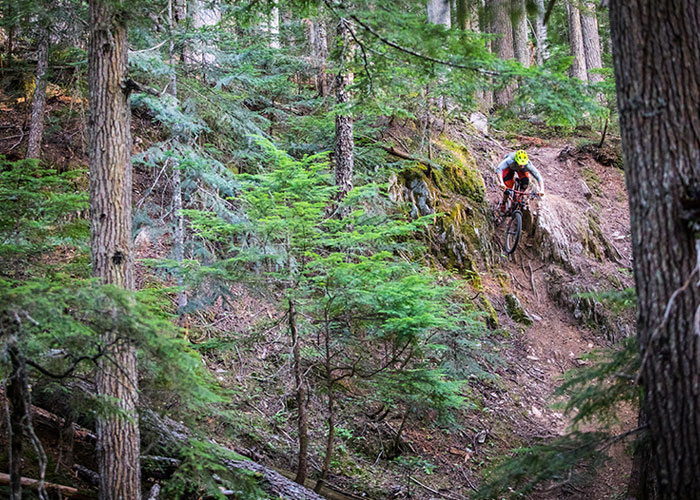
[
  {"x": 578, "y": 66},
  {"x": 520, "y": 31},
  {"x": 591, "y": 42},
  {"x": 344, "y": 156},
  {"x": 657, "y": 69},
  {"x": 36, "y": 124},
  {"x": 503, "y": 44},
  {"x": 111, "y": 244}
]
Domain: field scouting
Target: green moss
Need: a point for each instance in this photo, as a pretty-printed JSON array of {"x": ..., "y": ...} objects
[
  {"x": 515, "y": 310},
  {"x": 485, "y": 305},
  {"x": 462, "y": 176},
  {"x": 503, "y": 281},
  {"x": 592, "y": 181}
]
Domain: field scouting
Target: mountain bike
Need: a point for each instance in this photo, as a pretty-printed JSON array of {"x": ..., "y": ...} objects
[{"x": 516, "y": 203}]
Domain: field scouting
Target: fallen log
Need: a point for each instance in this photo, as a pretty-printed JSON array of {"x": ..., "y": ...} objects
[{"x": 67, "y": 491}]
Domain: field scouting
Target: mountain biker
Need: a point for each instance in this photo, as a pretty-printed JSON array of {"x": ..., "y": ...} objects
[{"x": 517, "y": 166}]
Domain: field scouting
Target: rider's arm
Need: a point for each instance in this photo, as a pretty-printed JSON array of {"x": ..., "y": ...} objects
[
  {"x": 536, "y": 174},
  {"x": 500, "y": 168}
]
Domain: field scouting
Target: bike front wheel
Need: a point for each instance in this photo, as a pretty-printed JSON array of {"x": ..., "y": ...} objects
[{"x": 513, "y": 231}]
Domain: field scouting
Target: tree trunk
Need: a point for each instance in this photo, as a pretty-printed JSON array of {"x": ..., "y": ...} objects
[
  {"x": 344, "y": 143},
  {"x": 462, "y": 14},
  {"x": 578, "y": 66},
  {"x": 657, "y": 71},
  {"x": 641, "y": 484},
  {"x": 111, "y": 244},
  {"x": 17, "y": 413},
  {"x": 439, "y": 12},
  {"x": 542, "y": 48},
  {"x": 503, "y": 44},
  {"x": 591, "y": 42},
  {"x": 303, "y": 464},
  {"x": 203, "y": 13},
  {"x": 330, "y": 438},
  {"x": 318, "y": 43},
  {"x": 36, "y": 125},
  {"x": 520, "y": 32},
  {"x": 179, "y": 232},
  {"x": 485, "y": 96},
  {"x": 272, "y": 27}
]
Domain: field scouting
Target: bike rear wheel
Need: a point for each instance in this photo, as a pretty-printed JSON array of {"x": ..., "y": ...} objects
[{"x": 513, "y": 231}]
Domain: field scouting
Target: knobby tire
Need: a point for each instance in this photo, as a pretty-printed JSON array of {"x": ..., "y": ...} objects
[{"x": 513, "y": 231}]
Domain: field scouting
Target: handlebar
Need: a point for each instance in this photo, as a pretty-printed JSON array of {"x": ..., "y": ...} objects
[{"x": 524, "y": 193}]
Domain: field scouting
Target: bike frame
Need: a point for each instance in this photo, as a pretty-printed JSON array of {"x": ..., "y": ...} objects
[{"x": 517, "y": 200}]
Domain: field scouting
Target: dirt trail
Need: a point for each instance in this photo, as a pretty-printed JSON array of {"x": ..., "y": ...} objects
[{"x": 556, "y": 341}]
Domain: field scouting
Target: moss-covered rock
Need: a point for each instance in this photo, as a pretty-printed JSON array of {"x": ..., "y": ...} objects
[
  {"x": 452, "y": 187},
  {"x": 516, "y": 311},
  {"x": 491, "y": 316}
]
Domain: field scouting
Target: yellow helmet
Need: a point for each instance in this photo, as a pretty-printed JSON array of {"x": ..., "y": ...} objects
[{"x": 521, "y": 157}]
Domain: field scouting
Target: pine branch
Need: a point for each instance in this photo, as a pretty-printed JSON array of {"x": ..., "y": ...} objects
[{"x": 409, "y": 51}]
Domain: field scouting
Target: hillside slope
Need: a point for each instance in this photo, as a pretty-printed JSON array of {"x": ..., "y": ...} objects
[{"x": 580, "y": 244}]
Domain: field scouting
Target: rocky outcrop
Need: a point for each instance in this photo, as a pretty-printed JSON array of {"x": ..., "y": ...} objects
[
  {"x": 583, "y": 302},
  {"x": 452, "y": 189}
]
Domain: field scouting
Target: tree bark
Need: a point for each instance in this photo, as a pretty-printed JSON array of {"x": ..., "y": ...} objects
[
  {"x": 485, "y": 96},
  {"x": 344, "y": 156},
  {"x": 542, "y": 48},
  {"x": 111, "y": 244},
  {"x": 462, "y": 14},
  {"x": 503, "y": 44},
  {"x": 330, "y": 383},
  {"x": 578, "y": 66},
  {"x": 657, "y": 70},
  {"x": 36, "y": 125},
  {"x": 302, "y": 420},
  {"x": 439, "y": 12},
  {"x": 318, "y": 43},
  {"x": 591, "y": 42},
  {"x": 179, "y": 232},
  {"x": 520, "y": 32},
  {"x": 17, "y": 414},
  {"x": 275, "y": 28}
]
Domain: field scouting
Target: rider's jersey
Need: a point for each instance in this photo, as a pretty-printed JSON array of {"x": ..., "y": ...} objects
[{"x": 509, "y": 162}]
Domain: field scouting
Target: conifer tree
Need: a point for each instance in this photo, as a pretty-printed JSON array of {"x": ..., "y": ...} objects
[
  {"x": 591, "y": 42},
  {"x": 344, "y": 156},
  {"x": 36, "y": 124},
  {"x": 439, "y": 12},
  {"x": 111, "y": 244},
  {"x": 578, "y": 66},
  {"x": 501, "y": 25},
  {"x": 657, "y": 70},
  {"x": 520, "y": 33},
  {"x": 541, "y": 28}
]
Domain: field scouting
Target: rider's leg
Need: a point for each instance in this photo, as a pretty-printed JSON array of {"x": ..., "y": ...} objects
[
  {"x": 522, "y": 183},
  {"x": 508, "y": 180}
]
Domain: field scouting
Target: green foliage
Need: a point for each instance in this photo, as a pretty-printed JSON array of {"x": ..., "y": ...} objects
[
  {"x": 39, "y": 217},
  {"x": 595, "y": 392},
  {"x": 547, "y": 461},
  {"x": 203, "y": 470},
  {"x": 380, "y": 318},
  {"x": 616, "y": 300}
]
